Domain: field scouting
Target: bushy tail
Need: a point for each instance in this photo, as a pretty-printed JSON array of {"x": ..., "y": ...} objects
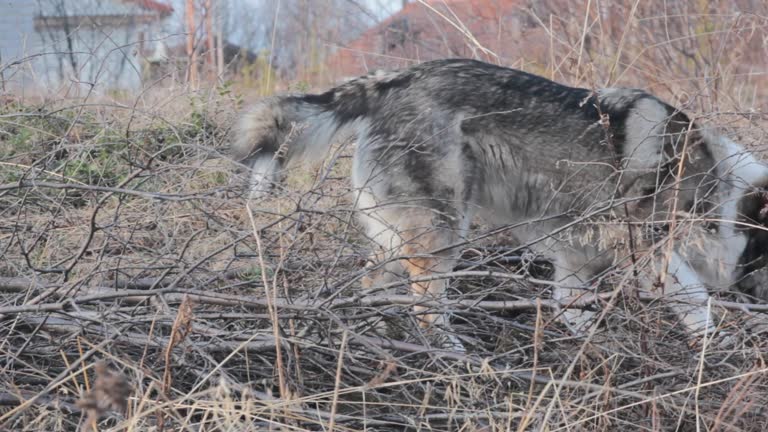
[{"x": 278, "y": 131}]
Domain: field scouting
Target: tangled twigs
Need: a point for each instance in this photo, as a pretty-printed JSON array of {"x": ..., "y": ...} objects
[
  {"x": 176, "y": 295},
  {"x": 282, "y": 336},
  {"x": 94, "y": 188}
]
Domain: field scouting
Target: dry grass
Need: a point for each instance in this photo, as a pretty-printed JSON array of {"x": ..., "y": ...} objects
[{"x": 131, "y": 265}]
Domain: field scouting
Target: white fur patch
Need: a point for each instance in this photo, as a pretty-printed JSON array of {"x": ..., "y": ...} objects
[{"x": 263, "y": 176}]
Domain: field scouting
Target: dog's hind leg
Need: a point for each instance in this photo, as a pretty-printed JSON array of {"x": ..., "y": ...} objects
[
  {"x": 382, "y": 267},
  {"x": 427, "y": 257},
  {"x": 381, "y": 270},
  {"x": 423, "y": 239},
  {"x": 426, "y": 269}
]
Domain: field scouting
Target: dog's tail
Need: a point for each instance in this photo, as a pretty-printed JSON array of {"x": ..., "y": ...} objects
[{"x": 279, "y": 131}]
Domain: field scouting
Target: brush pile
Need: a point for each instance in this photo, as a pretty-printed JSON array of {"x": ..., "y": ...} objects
[{"x": 139, "y": 292}]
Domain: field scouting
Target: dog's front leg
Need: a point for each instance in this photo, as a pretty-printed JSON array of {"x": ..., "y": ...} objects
[
  {"x": 573, "y": 285},
  {"x": 687, "y": 294}
]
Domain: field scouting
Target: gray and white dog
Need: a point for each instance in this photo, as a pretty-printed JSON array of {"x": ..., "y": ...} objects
[{"x": 445, "y": 140}]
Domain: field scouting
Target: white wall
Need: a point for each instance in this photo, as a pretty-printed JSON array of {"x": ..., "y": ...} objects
[{"x": 107, "y": 58}]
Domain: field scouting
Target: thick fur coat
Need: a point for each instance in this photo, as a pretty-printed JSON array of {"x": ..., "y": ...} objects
[{"x": 446, "y": 140}]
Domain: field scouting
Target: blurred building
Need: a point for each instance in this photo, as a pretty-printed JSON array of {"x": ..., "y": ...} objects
[
  {"x": 499, "y": 31},
  {"x": 65, "y": 45}
]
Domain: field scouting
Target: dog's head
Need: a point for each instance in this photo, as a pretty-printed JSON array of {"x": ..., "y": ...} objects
[
  {"x": 724, "y": 188},
  {"x": 752, "y": 271},
  {"x": 743, "y": 195}
]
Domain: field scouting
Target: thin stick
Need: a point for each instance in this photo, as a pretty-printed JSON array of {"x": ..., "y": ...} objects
[
  {"x": 271, "y": 299},
  {"x": 268, "y": 81},
  {"x": 337, "y": 383}
]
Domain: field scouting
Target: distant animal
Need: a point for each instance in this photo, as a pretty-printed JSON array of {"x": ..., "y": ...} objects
[{"x": 445, "y": 140}]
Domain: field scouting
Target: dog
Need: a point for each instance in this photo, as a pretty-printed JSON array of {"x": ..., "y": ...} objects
[{"x": 443, "y": 141}]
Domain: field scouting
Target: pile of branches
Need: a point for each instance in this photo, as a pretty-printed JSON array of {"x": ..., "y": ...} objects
[{"x": 139, "y": 291}]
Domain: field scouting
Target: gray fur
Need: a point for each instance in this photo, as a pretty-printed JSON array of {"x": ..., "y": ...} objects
[{"x": 445, "y": 140}]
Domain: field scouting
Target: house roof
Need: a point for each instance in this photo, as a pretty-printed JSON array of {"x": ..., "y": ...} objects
[
  {"x": 153, "y": 5},
  {"x": 501, "y": 32}
]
